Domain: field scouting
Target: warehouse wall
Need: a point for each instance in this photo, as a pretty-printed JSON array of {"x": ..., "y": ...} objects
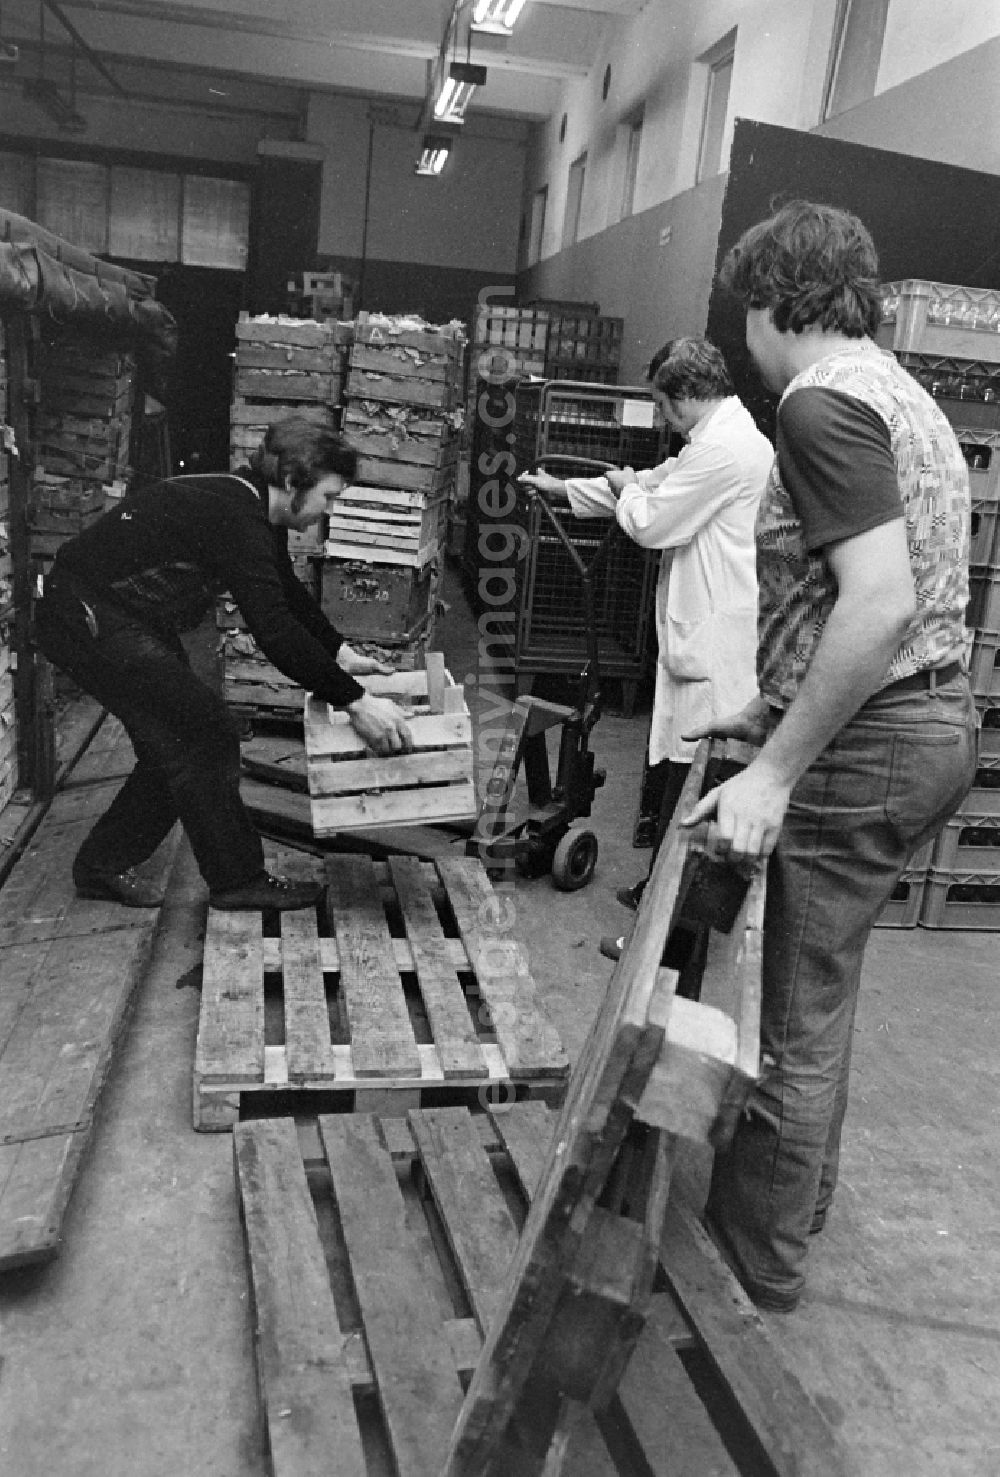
[
  {"x": 951, "y": 113},
  {"x": 662, "y": 286},
  {"x": 431, "y": 243}
]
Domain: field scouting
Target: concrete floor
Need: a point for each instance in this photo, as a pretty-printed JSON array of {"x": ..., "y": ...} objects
[{"x": 131, "y": 1354}]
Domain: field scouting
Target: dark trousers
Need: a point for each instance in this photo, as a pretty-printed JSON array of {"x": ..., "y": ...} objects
[{"x": 185, "y": 740}]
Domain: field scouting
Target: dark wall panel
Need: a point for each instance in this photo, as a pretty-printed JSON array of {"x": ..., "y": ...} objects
[{"x": 928, "y": 219}]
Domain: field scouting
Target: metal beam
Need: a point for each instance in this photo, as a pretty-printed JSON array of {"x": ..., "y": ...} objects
[{"x": 90, "y": 54}]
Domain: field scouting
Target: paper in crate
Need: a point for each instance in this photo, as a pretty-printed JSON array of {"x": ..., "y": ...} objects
[{"x": 350, "y": 788}]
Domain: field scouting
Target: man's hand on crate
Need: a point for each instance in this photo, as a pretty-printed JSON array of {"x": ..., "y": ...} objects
[
  {"x": 359, "y": 665},
  {"x": 381, "y": 724}
]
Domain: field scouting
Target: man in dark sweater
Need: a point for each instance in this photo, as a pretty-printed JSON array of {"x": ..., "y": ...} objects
[{"x": 114, "y": 602}]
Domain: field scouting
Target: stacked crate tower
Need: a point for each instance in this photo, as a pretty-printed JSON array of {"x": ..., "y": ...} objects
[
  {"x": 83, "y": 438},
  {"x": 283, "y": 365},
  {"x": 948, "y": 337},
  {"x": 380, "y": 579},
  {"x": 8, "y": 726},
  {"x": 550, "y": 341}
]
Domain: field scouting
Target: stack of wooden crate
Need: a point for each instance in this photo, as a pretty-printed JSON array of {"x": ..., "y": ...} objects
[
  {"x": 283, "y": 365},
  {"x": 8, "y": 725},
  {"x": 948, "y": 337},
  {"x": 381, "y": 575},
  {"x": 84, "y": 433}
]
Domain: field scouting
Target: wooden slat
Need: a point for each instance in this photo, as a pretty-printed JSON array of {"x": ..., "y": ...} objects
[
  {"x": 36, "y": 1180},
  {"x": 525, "y": 1130},
  {"x": 657, "y": 1418},
  {"x": 307, "y": 1019},
  {"x": 785, "y": 1420},
  {"x": 382, "y": 1039},
  {"x": 57, "y": 1054},
  {"x": 302, "y": 1372},
  {"x": 418, "y": 1389},
  {"x": 452, "y": 952},
  {"x": 433, "y": 958},
  {"x": 435, "y": 803},
  {"x": 231, "y": 1025},
  {"x": 400, "y": 771},
  {"x": 529, "y": 1042},
  {"x": 614, "y": 1066},
  {"x": 479, "y": 1227}
]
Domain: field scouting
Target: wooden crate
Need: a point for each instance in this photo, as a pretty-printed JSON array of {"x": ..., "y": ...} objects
[
  {"x": 385, "y": 519},
  {"x": 365, "y": 385},
  {"x": 377, "y": 602},
  {"x": 352, "y": 789},
  {"x": 399, "y": 991}
]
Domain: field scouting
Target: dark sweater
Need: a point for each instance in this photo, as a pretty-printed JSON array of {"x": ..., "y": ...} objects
[{"x": 165, "y": 553}]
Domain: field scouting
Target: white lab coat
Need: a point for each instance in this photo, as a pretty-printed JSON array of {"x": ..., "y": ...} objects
[{"x": 700, "y": 509}]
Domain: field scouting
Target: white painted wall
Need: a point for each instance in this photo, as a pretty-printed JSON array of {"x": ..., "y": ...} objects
[
  {"x": 920, "y": 34},
  {"x": 782, "y": 52}
]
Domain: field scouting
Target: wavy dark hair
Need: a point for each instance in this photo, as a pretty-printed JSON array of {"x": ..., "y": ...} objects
[
  {"x": 690, "y": 369},
  {"x": 300, "y": 449},
  {"x": 809, "y": 264}
]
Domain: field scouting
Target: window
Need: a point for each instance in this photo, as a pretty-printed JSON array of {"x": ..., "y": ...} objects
[
  {"x": 574, "y": 199},
  {"x": 538, "y": 204},
  {"x": 855, "y": 55},
  {"x": 633, "y": 142},
  {"x": 719, "y": 62}
]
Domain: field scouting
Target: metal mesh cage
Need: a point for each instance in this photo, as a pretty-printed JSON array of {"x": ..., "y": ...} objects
[{"x": 572, "y": 425}]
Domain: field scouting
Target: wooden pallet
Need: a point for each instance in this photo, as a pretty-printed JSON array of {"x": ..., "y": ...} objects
[
  {"x": 69, "y": 968},
  {"x": 401, "y": 993},
  {"x": 378, "y": 1251}
]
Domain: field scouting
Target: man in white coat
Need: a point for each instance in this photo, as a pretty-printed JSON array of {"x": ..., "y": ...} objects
[{"x": 700, "y": 508}]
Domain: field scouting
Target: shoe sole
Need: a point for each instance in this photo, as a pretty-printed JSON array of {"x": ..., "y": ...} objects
[{"x": 96, "y": 894}]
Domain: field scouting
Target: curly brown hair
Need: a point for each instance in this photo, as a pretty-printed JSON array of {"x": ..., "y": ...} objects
[
  {"x": 809, "y": 264},
  {"x": 299, "y": 449}
]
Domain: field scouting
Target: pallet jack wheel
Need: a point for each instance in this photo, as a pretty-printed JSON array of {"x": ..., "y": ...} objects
[{"x": 574, "y": 860}]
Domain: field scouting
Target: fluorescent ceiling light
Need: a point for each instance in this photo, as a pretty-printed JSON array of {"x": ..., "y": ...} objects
[
  {"x": 456, "y": 91},
  {"x": 434, "y": 154},
  {"x": 496, "y": 16}
]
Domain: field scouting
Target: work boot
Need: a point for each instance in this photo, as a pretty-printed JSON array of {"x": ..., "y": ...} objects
[
  {"x": 267, "y": 890},
  {"x": 127, "y": 887},
  {"x": 631, "y": 897}
]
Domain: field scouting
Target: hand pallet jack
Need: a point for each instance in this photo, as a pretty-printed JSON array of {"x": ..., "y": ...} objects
[{"x": 541, "y": 839}]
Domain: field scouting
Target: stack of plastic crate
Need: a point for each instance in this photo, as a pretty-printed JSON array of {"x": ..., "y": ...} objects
[
  {"x": 584, "y": 346},
  {"x": 8, "y": 726},
  {"x": 283, "y": 365},
  {"x": 84, "y": 431},
  {"x": 380, "y": 578},
  {"x": 321, "y": 296},
  {"x": 948, "y": 337}
]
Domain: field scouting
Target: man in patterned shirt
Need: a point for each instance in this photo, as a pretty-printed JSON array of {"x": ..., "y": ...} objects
[{"x": 864, "y": 714}]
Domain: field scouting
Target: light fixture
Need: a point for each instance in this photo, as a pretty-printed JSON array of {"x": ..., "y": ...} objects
[
  {"x": 497, "y": 17},
  {"x": 455, "y": 91},
  {"x": 434, "y": 154}
]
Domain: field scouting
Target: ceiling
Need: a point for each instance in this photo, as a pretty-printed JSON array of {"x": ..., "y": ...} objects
[{"x": 265, "y": 56}]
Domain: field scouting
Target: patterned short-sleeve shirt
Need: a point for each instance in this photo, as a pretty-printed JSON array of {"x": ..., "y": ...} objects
[{"x": 797, "y": 586}]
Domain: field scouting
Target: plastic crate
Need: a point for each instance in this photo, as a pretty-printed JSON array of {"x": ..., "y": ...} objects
[
  {"x": 968, "y": 391},
  {"x": 981, "y": 449},
  {"x": 970, "y": 842},
  {"x": 983, "y": 610},
  {"x": 920, "y": 317},
  {"x": 984, "y": 797},
  {"x": 984, "y": 516},
  {"x": 989, "y": 728},
  {"x": 984, "y": 673},
  {"x": 903, "y": 908},
  {"x": 966, "y": 900}
]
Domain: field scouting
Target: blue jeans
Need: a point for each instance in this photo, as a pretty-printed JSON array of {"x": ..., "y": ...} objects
[{"x": 882, "y": 789}]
